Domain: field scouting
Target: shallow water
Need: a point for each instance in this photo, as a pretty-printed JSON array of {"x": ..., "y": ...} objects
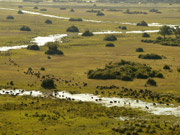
[
  {"x": 158, "y": 109},
  {"x": 41, "y": 41}
]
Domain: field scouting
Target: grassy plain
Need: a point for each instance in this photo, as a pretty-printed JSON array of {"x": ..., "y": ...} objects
[{"x": 81, "y": 55}]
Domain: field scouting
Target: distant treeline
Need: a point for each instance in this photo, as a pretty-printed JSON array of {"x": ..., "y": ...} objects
[
  {"x": 112, "y": 1},
  {"x": 143, "y": 1}
]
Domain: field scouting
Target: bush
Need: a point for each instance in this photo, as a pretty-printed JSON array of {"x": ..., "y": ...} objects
[
  {"x": 160, "y": 75},
  {"x": 150, "y": 56},
  {"x": 42, "y": 69},
  {"x": 100, "y": 13},
  {"x": 159, "y": 38},
  {"x": 53, "y": 49},
  {"x": 48, "y": 84},
  {"x": 151, "y": 82},
  {"x": 43, "y": 9},
  {"x": 74, "y": 19},
  {"x": 20, "y": 12},
  {"x": 142, "y": 23},
  {"x": 124, "y": 28},
  {"x": 166, "y": 67},
  {"x": 25, "y": 28},
  {"x": 178, "y": 69},
  {"x": 87, "y": 33},
  {"x": 110, "y": 45},
  {"x": 110, "y": 38},
  {"x": 72, "y": 10},
  {"x": 36, "y": 7},
  {"x": 145, "y": 35},
  {"x": 48, "y": 22},
  {"x": 33, "y": 47},
  {"x": 139, "y": 50},
  {"x": 62, "y": 8},
  {"x": 10, "y": 17},
  {"x": 72, "y": 29},
  {"x": 20, "y": 6}
]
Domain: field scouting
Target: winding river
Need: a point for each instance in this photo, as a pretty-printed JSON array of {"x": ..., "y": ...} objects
[
  {"x": 86, "y": 20},
  {"x": 105, "y": 101},
  {"x": 41, "y": 41}
]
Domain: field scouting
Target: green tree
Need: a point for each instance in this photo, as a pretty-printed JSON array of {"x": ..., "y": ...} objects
[
  {"x": 176, "y": 31},
  {"x": 165, "y": 30}
]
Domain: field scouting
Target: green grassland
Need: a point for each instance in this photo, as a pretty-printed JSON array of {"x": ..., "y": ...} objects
[
  {"x": 27, "y": 115},
  {"x": 80, "y": 55}
]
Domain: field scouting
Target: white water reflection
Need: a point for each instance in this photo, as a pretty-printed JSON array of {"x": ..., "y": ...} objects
[
  {"x": 157, "y": 109},
  {"x": 42, "y": 40}
]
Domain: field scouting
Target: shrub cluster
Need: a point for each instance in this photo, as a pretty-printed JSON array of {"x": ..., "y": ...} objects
[
  {"x": 151, "y": 82},
  {"x": 100, "y": 14},
  {"x": 36, "y": 7},
  {"x": 110, "y": 45},
  {"x": 166, "y": 67},
  {"x": 33, "y": 47},
  {"x": 110, "y": 38},
  {"x": 164, "y": 41},
  {"x": 122, "y": 27},
  {"x": 139, "y": 50},
  {"x": 48, "y": 84},
  {"x": 25, "y": 28},
  {"x": 124, "y": 70},
  {"x": 20, "y": 12},
  {"x": 10, "y": 17},
  {"x": 150, "y": 56},
  {"x": 72, "y": 29},
  {"x": 145, "y": 35},
  {"x": 76, "y": 19},
  {"x": 142, "y": 23},
  {"x": 48, "y": 22},
  {"x": 43, "y": 9},
  {"x": 87, "y": 33},
  {"x": 53, "y": 49}
]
